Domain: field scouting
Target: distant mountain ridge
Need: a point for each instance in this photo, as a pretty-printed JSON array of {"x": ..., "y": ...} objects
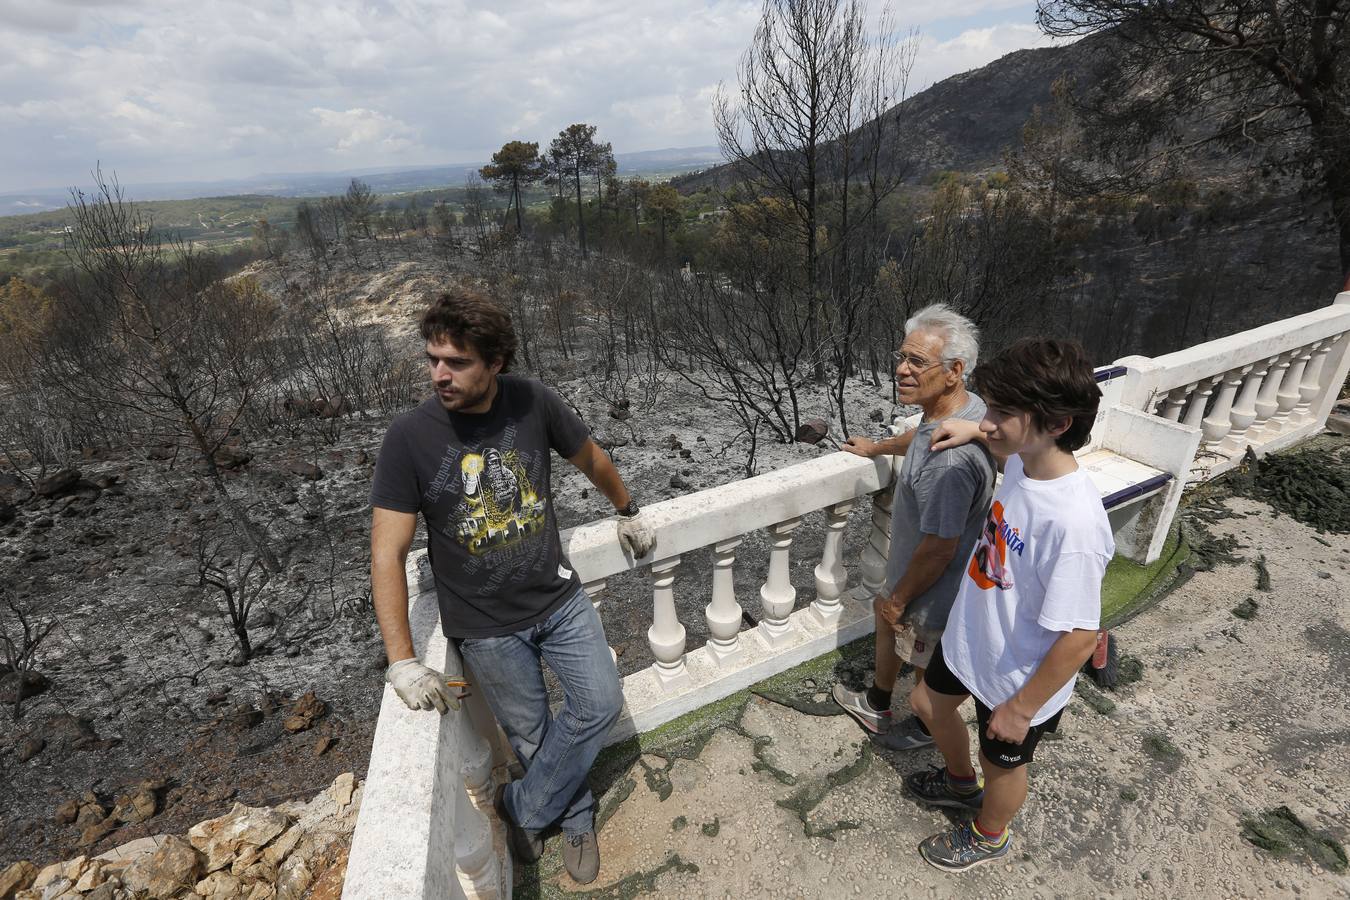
[
  {"x": 969, "y": 120},
  {"x": 387, "y": 180}
]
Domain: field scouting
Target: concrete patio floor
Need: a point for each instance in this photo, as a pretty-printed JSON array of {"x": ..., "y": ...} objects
[{"x": 1232, "y": 718}]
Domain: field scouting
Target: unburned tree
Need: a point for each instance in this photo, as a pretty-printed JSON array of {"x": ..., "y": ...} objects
[{"x": 517, "y": 165}]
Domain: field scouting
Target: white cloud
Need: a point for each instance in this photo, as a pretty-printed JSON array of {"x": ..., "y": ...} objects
[
  {"x": 358, "y": 129},
  {"x": 200, "y": 89}
]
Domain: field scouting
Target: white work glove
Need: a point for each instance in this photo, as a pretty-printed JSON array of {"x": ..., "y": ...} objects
[
  {"x": 422, "y": 687},
  {"x": 635, "y": 535}
]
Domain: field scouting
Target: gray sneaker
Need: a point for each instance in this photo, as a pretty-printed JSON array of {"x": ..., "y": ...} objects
[
  {"x": 581, "y": 856},
  {"x": 855, "y": 704},
  {"x": 526, "y": 845},
  {"x": 906, "y": 735},
  {"x": 961, "y": 848},
  {"x": 931, "y": 786}
]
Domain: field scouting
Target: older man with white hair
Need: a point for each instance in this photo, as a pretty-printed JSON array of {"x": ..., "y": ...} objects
[{"x": 941, "y": 500}]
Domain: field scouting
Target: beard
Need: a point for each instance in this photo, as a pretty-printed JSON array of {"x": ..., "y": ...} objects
[{"x": 457, "y": 398}]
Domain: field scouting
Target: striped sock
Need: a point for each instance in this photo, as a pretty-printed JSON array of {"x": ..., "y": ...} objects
[
  {"x": 992, "y": 838},
  {"x": 963, "y": 785}
]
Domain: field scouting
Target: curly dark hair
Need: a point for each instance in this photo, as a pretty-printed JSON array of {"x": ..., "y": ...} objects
[
  {"x": 467, "y": 317},
  {"x": 1050, "y": 379}
]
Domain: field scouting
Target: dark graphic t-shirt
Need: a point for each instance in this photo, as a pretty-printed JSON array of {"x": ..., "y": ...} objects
[{"x": 481, "y": 483}]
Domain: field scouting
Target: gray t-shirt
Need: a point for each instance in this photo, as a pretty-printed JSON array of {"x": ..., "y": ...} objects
[
  {"x": 945, "y": 494},
  {"x": 481, "y": 483}
]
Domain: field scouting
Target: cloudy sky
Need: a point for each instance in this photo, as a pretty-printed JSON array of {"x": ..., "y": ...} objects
[{"x": 168, "y": 90}]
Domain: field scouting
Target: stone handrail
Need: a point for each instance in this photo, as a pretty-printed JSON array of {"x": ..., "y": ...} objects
[
  {"x": 431, "y": 777},
  {"x": 1267, "y": 388},
  {"x": 423, "y": 830}
]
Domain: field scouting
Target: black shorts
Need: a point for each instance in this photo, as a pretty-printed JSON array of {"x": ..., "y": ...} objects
[{"x": 940, "y": 680}]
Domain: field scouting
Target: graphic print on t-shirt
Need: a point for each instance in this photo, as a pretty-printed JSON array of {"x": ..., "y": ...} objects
[
  {"x": 499, "y": 505},
  {"x": 989, "y": 562}
]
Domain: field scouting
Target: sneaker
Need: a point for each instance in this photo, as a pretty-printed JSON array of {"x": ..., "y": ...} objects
[
  {"x": 856, "y": 705},
  {"x": 906, "y": 735},
  {"x": 961, "y": 848},
  {"x": 581, "y": 856},
  {"x": 526, "y": 845},
  {"x": 931, "y": 786}
]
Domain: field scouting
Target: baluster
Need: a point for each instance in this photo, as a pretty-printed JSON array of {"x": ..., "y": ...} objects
[
  {"x": 872, "y": 566},
  {"x": 595, "y": 590},
  {"x": 1219, "y": 422},
  {"x": 724, "y": 612},
  {"x": 1311, "y": 385},
  {"x": 476, "y": 763},
  {"x": 1173, "y": 404},
  {"x": 1288, "y": 396},
  {"x": 1244, "y": 410},
  {"x": 475, "y": 860},
  {"x": 666, "y": 636},
  {"x": 1199, "y": 393},
  {"x": 777, "y": 594},
  {"x": 831, "y": 576},
  {"x": 1266, "y": 403}
]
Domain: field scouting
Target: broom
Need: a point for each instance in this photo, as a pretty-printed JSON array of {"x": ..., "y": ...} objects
[{"x": 1104, "y": 665}]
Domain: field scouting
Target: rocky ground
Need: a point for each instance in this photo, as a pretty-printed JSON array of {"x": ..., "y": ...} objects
[
  {"x": 295, "y": 849},
  {"x": 1216, "y": 770},
  {"x": 143, "y": 691}
]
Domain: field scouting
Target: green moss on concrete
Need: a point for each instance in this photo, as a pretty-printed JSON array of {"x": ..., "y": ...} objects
[
  {"x": 711, "y": 829},
  {"x": 1129, "y": 794},
  {"x": 1128, "y": 584},
  {"x": 639, "y": 882},
  {"x": 1160, "y": 747},
  {"x": 679, "y": 823},
  {"x": 611, "y": 801},
  {"x": 1094, "y": 698},
  {"x": 1246, "y": 609},
  {"x": 803, "y": 801},
  {"x": 1262, "y": 574},
  {"x": 1280, "y": 832}
]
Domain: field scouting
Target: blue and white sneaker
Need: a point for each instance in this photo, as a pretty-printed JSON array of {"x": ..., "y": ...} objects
[{"x": 962, "y": 847}]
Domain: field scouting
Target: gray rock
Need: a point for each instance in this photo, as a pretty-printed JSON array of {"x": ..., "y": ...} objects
[
  {"x": 57, "y": 483},
  {"x": 812, "y": 431},
  {"x": 306, "y": 470}
]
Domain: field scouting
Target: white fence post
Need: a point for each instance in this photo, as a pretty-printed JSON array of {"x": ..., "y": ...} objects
[
  {"x": 666, "y": 636},
  {"x": 724, "y": 612},
  {"x": 831, "y": 576},
  {"x": 777, "y": 594}
]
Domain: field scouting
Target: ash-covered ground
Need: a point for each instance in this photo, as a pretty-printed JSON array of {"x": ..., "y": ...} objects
[{"x": 143, "y": 675}]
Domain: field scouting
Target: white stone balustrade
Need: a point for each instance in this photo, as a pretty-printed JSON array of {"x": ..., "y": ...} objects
[
  {"x": 422, "y": 832},
  {"x": 1266, "y": 388},
  {"x": 431, "y": 777}
]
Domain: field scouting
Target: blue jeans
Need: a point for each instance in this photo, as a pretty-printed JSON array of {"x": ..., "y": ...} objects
[{"x": 557, "y": 753}]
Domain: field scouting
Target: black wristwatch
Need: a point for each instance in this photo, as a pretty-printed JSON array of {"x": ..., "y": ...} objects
[{"x": 630, "y": 510}]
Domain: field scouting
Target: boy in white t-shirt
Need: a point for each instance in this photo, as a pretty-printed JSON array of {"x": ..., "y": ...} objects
[{"x": 1026, "y": 616}]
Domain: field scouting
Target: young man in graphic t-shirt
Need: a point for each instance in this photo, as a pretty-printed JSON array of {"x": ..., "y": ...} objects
[
  {"x": 475, "y": 460},
  {"x": 1026, "y": 616}
]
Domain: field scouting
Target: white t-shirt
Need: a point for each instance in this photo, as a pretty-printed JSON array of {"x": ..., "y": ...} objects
[{"x": 1036, "y": 572}]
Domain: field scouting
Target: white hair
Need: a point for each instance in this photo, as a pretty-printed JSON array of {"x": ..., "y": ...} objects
[{"x": 960, "y": 336}]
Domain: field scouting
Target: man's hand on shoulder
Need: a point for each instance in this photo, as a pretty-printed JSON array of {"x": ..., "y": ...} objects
[
  {"x": 422, "y": 687},
  {"x": 636, "y": 535}
]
